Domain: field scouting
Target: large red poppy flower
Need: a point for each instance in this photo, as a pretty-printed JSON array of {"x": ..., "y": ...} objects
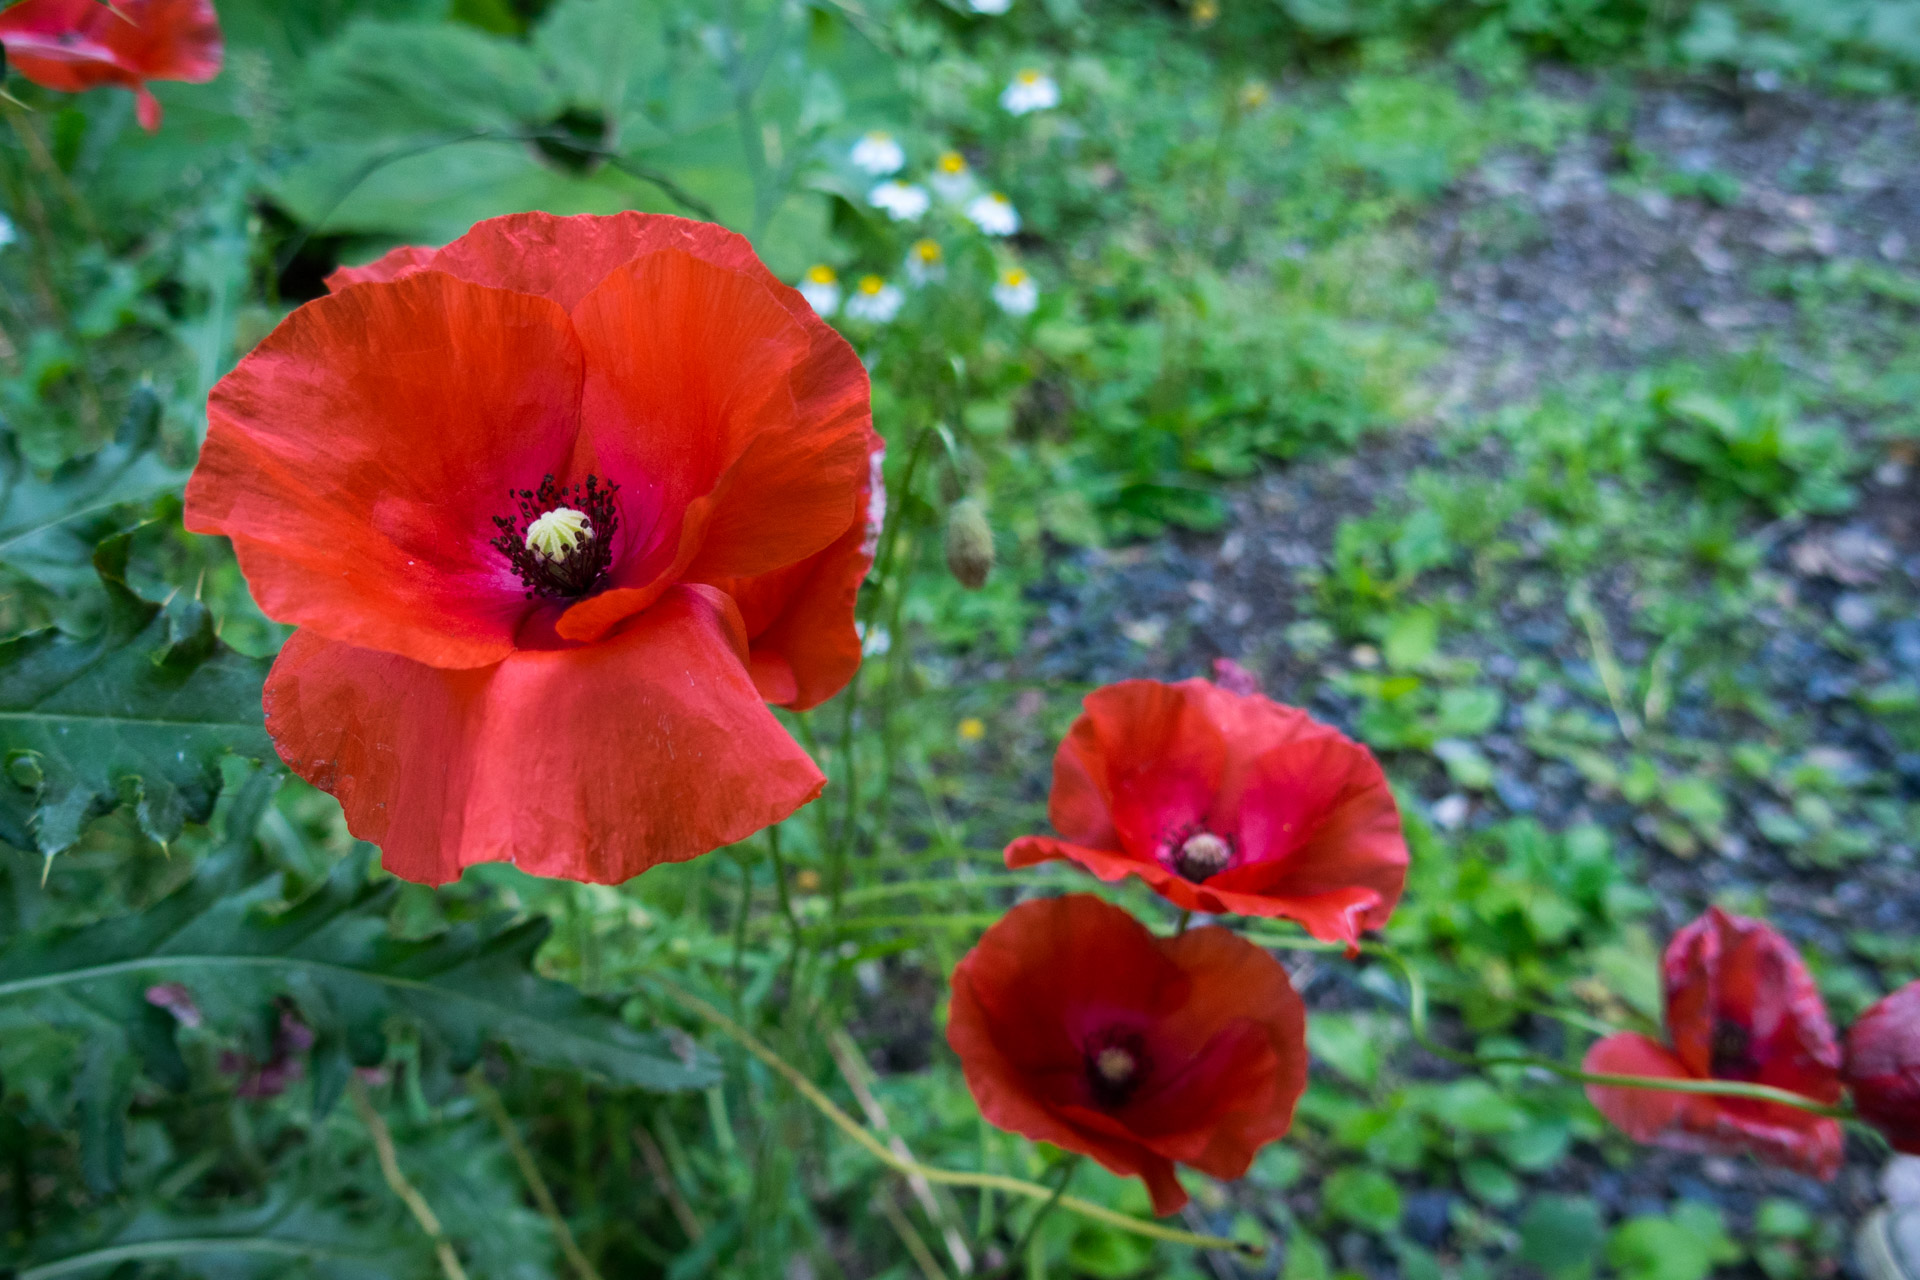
[
  {"x": 72, "y": 45},
  {"x": 1225, "y": 803},
  {"x": 557, "y": 509},
  {"x": 1883, "y": 1067},
  {"x": 1740, "y": 1006},
  {"x": 1078, "y": 1027}
]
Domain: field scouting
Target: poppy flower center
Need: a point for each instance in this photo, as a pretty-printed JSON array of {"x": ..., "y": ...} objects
[
  {"x": 560, "y": 538},
  {"x": 1116, "y": 1062},
  {"x": 1732, "y": 1050},
  {"x": 1201, "y": 855}
]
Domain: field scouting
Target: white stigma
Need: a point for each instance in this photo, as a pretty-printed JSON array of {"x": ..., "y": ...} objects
[
  {"x": 559, "y": 533},
  {"x": 1203, "y": 855},
  {"x": 1115, "y": 1065}
]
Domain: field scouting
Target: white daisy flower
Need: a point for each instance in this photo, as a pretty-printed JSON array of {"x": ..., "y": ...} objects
[
  {"x": 1016, "y": 293},
  {"x": 878, "y": 154},
  {"x": 925, "y": 263},
  {"x": 1030, "y": 90},
  {"x": 874, "y": 301},
  {"x": 992, "y": 8},
  {"x": 994, "y": 214},
  {"x": 902, "y": 201},
  {"x": 821, "y": 288},
  {"x": 951, "y": 177}
]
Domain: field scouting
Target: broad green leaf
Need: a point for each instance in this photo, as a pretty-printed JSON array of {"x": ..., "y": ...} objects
[
  {"x": 142, "y": 713},
  {"x": 1364, "y": 1197}
]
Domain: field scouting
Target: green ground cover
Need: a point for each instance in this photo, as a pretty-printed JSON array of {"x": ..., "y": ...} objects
[{"x": 1525, "y": 385}]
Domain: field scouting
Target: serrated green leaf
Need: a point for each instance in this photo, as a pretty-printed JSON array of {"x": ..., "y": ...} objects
[
  {"x": 49, "y": 525},
  {"x": 142, "y": 712},
  {"x": 330, "y": 954}
]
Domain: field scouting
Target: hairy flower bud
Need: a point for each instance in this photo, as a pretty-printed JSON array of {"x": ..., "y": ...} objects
[{"x": 969, "y": 544}]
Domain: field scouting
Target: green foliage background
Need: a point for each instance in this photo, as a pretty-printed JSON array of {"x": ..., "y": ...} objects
[{"x": 1221, "y": 219}]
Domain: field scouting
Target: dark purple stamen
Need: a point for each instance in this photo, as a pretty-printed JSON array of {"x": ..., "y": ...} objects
[{"x": 581, "y": 570}]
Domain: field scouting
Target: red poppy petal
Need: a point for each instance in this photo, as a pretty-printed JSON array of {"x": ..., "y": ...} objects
[
  {"x": 593, "y": 763},
  {"x": 1155, "y": 755},
  {"x": 1238, "y": 1090},
  {"x": 1641, "y": 1114},
  {"x": 1318, "y": 822},
  {"x": 167, "y": 39},
  {"x": 1736, "y": 981},
  {"x": 72, "y": 45},
  {"x": 689, "y": 404},
  {"x": 1883, "y": 1067},
  {"x": 1009, "y": 1033},
  {"x": 394, "y": 264},
  {"x": 358, "y": 456}
]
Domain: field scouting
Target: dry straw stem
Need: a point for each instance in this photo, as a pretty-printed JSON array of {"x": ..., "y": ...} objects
[
  {"x": 663, "y": 1179},
  {"x": 396, "y": 1180},
  {"x": 490, "y": 1102},
  {"x": 950, "y": 1177},
  {"x": 846, "y": 1056},
  {"x": 922, "y": 1256}
]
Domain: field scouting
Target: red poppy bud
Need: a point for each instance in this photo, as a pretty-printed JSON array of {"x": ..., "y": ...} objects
[
  {"x": 1078, "y": 1027},
  {"x": 1883, "y": 1067},
  {"x": 1226, "y": 803},
  {"x": 72, "y": 45},
  {"x": 557, "y": 510},
  {"x": 1741, "y": 1006}
]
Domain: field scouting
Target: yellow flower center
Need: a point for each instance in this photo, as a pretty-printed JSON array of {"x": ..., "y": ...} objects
[
  {"x": 871, "y": 284},
  {"x": 1029, "y": 77},
  {"x": 1015, "y": 277},
  {"x": 879, "y": 135},
  {"x": 821, "y": 274},
  {"x": 559, "y": 533},
  {"x": 927, "y": 251},
  {"x": 953, "y": 162}
]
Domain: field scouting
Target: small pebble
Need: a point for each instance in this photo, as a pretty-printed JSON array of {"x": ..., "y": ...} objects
[{"x": 1449, "y": 812}]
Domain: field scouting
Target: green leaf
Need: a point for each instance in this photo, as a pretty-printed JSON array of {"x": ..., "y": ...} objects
[
  {"x": 143, "y": 713},
  {"x": 330, "y": 954},
  {"x": 266, "y": 1243},
  {"x": 1562, "y": 1235},
  {"x": 1684, "y": 1246},
  {"x": 1365, "y": 1197},
  {"x": 49, "y": 526}
]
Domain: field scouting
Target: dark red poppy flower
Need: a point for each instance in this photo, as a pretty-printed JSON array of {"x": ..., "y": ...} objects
[
  {"x": 72, "y": 45},
  {"x": 1740, "y": 1007},
  {"x": 557, "y": 509},
  {"x": 1882, "y": 1067},
  {"x": 1078, "y": 1027},
  {"x": 1225, "y": 803}
]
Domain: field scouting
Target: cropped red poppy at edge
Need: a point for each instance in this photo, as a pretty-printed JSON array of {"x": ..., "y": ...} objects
[
  {"x": 75, "y": 45},
  {"x": 1078, "y": 1027},
  {"x": 557, "y": 510},
  {"x": 1225, "y": 803},
  {"x": 1882, "y": 1067},
  {"x": 1741, "y": 1006}
]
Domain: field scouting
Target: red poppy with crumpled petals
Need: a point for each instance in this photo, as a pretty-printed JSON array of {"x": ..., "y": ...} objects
[
  {"x": 1882, "y": 1068},
  {"x": 1076, "y": 1026},
  {"x": 569, "y": 674},
  {"x": 74, "y": 45},
  {"x": 1226, "y": 803},
  {"x": 1740, "y": 1007}
]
